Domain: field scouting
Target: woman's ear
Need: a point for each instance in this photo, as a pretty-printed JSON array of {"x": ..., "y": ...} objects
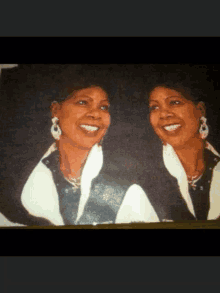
[
  {"x": 55, "y": 108},
  {"x": 201, "y": 107}
]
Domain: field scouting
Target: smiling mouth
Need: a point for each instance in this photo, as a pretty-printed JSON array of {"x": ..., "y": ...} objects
[
  {"x": 89, "y": 128},
  {"x": 172, "y": 127}
]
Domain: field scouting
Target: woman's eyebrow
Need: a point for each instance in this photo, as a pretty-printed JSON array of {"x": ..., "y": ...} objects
[
  {"x": 157, "y": 100},
  {"x": 174, "y": 96},
  {"x": 104, "y": 100},
  {"x": 89, "y": 97},
  {"x": 83, "y": 96}
]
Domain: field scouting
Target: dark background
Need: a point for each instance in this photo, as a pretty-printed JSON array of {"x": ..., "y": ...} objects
[{"x": 130, "y": 145}]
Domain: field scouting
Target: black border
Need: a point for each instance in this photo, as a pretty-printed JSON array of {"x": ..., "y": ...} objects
[
  {"x": 110, "y": 50},
  {"x": 121, "y": 242}
]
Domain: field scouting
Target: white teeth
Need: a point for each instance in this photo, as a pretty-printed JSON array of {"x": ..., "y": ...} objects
[
  {"x": 89, "y": 127},
  {"x": 172, "y": 127}
]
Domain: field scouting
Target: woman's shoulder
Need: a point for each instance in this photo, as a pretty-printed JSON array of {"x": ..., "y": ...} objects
[
  {"x": 4, "y": 222},
  {"x": 39, "y": 173},
  {"x": 212, "y": 157},
  {"x": 38, "y": 183}
]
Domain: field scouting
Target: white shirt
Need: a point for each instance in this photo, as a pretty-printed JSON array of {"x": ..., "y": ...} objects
[{"x": 40, "y": 197}]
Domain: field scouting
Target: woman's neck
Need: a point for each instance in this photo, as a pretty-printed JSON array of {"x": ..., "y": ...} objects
[
  {"x": 192, "y": 157},
  {"x": 72, "y": 158}
]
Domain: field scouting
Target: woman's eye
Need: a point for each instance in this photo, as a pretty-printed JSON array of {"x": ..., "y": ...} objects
[
  {"x": 82, "y": 102},
  {"x": 105, "y": 108},
  {"x": 175, "y": 102},
  {"x": 152, "y": 108}
]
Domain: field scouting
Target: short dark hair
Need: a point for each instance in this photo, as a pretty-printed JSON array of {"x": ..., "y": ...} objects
[
  {"x": 192, "y": 94},
  {"x": 68, "y": 89}
]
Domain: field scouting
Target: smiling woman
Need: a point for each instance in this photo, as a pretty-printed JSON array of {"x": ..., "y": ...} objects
[
  {"x": 175, "y": 119},
  {"x": 179, "y": 119},
  {"x": 68, "y": 186},
  {"x": 84, "y": 119},
  {"x": 84, "y": 116}
]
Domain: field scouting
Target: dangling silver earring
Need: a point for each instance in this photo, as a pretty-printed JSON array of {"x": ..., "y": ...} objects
[
  {"x": 55, "y": 129},
  {"x": 204, "y": 130}
]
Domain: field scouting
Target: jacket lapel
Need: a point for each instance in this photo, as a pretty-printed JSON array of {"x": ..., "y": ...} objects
[{"x": 176, "y": 169}]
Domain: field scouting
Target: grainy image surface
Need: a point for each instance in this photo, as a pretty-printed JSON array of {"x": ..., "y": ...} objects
[{"x": 133, "y": 183}]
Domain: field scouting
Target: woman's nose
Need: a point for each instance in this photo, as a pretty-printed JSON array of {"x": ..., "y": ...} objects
[
  {"x": 165, "y": 113},
  {"x": 94, "y": 113}
]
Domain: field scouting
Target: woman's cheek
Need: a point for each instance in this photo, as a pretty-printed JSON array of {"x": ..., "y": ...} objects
[
  {"x": 107, "y": 120},
  {"x": 152, "y": 121}
]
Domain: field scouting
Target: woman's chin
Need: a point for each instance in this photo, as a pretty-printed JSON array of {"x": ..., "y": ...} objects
[
  {"x": 175, "y": 143},
  {"x": 86, "y": 143}
]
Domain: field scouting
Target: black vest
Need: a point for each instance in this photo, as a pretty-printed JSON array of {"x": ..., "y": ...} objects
[
  {"x": 163, "y": 192},
  {"x": 105, "y": 199}
]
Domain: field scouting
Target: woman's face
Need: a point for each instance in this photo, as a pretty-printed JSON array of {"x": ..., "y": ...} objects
[
  {"x": 84, "y": 117},
  {"x": 175, "y": 119}
]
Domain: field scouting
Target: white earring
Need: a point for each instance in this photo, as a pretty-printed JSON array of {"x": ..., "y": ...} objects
[
  {"x": 55, "y": 129},
  {"x": 204, "y": 130}
]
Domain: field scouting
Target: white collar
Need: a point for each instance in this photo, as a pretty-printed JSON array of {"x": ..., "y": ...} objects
[
  {"x": 176, "y": 169},
  {"x": 173, "y": 163},
  {"x": 91, "y": 170}
]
